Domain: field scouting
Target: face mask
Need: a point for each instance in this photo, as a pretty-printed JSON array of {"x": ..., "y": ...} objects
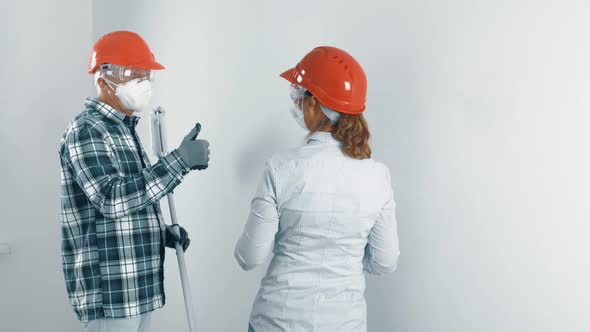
[
  {"x": 332, "y": 115},
  {"x": 297, "y": 114},
  {"x": 134, "y": 95}
]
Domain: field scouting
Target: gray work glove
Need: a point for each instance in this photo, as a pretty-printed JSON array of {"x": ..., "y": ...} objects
[
  {"x": 194, "y": 152},
  {"x": 171, "y": 237}
]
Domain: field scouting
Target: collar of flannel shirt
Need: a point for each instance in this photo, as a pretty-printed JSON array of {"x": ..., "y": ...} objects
[{"x": 111, "y": 113}]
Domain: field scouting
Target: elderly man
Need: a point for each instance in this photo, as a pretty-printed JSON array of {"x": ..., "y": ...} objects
[{"x": 113, "y": 234}]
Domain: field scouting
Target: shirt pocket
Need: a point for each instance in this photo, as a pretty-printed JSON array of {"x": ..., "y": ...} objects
[{"x": 126, "y": 154}]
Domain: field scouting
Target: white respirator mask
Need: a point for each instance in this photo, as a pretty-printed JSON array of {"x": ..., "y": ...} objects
[
  {"x": 298, "y": 115},
  {"x": 297, "y": 94},
  {"x": 134, "y": 95}
]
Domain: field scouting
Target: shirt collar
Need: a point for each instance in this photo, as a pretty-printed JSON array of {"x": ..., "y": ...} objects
[
  {"x": 322, "y": 137},
  {"x": 111, "y": 113}
]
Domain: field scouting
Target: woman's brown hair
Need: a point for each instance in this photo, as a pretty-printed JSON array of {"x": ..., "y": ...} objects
[{"x": 352, "y": 131}]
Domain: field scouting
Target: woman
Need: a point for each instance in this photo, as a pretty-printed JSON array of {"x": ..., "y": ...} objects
[{"x": 325, "y": 210}]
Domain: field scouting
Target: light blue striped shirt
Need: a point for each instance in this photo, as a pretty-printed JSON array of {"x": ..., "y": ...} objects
[{"x": 326, "y": 217}]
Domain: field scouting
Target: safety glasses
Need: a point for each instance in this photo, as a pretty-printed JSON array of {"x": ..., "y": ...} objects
[
  {"x": 298, "y": 92},
  {"x": 125, "y": 74}
]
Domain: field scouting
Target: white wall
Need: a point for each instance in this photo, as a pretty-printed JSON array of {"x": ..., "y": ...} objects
[
  {"x": 44, "y": 52},
  {"x": 473, "y": 105},
  {"x": 480, "y": 109}
]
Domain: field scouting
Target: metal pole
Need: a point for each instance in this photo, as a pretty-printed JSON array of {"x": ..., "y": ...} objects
[{"x": 159, "y": 146}]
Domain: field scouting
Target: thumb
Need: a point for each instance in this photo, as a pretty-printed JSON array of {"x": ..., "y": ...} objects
[{"x": 193, "y": 133}]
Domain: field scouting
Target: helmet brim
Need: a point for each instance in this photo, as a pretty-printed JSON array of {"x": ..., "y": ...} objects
[{"x": 289, "y": 75}]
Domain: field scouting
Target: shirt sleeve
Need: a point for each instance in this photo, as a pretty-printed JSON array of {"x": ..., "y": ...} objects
[
  {"x": 382, "y": 249},
  {"x": 114, "y": 195},
  {"x": 257, "y": 239}
]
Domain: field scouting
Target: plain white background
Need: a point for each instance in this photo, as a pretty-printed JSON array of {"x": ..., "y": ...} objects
[{"x": 479, "y": 108}]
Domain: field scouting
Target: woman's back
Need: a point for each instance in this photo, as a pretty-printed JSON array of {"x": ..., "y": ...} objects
[{"x": 327, "y": 205}]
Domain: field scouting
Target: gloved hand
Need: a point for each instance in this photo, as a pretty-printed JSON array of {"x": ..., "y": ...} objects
[
  {"x": 194, "y": 152},
  {"x": 171, "y": 238}
]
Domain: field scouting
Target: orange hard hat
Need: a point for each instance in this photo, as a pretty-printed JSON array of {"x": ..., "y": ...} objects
[
  {"x": 123, "y": 48},
  {"x": 334, "y": 77}
]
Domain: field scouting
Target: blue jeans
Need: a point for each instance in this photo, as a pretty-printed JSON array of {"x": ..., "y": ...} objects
[
  {"x": 140, "y": 323},
  {"x": 250, "y": 328}
]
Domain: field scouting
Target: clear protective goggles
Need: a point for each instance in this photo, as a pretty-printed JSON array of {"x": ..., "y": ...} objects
[
  {"x": 125, "y": 74},
  {"x": 298, "y": 92}
]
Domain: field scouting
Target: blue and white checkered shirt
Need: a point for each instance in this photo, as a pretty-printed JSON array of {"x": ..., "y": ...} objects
[{"x": 112, "y": 245}]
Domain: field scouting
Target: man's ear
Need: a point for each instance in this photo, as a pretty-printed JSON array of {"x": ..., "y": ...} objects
[
  {"x": 100, "y": 82},
  {"x": 102, "y": 85}
]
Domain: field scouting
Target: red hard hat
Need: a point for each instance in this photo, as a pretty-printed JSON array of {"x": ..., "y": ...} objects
[
  {"x": 123, "y": 48},
  {"x": 334, "y": 77}
]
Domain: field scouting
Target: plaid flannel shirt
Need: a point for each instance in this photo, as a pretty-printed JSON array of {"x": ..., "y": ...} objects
[{"x": 111, "y": 223}]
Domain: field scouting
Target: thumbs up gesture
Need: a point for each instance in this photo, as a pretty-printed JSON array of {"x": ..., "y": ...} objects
[{"x": 195, "y": 152}]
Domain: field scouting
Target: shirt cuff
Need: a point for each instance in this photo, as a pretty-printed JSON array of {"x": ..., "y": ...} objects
[{"x": 175, "y": 165}]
